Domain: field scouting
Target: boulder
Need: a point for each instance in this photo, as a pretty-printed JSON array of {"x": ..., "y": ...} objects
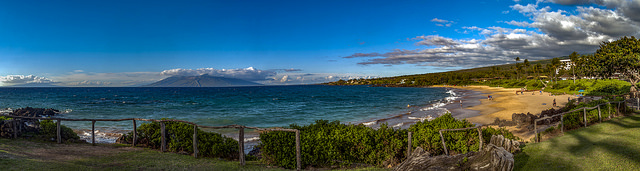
[
  {"x": 510, "y": 145},
  {"x": 523, "y": 120},
  {"x": 502, "y": 123}
]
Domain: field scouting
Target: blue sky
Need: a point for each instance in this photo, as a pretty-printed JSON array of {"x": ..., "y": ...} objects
[{"x": 124, "y": 43}]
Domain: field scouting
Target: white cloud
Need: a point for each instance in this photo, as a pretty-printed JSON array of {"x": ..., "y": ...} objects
[
  {"x": 442, "y": 23},
  {"x": 518, "y": 23},
  {"x": 250, "y": 73},
  {"x": 439, "y": 20},
  {"x": 549, "y": 33},
  {"x": 24, "y": 79}
]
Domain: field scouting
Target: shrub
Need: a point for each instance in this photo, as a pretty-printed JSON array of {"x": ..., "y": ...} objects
[
  {"x": 426, "y": 135},
  {"x": 489, "y": 131},
  {"x": 325, "y": 143},
  {"x": 179, "y": 138},
  {"x": 576, "y": 119},
  {"x": 48, "y": 130}
]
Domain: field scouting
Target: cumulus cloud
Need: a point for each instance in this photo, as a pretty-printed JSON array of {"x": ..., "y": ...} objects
[
  {"x": 250, "y": 73},
  {"x": 24, "y": 79},
  {"x": 549, "y": 33}
]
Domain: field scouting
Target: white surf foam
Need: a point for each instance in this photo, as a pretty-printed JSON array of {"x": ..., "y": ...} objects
[
  {"x": 251, "y": 139},
  {"x": 101, "y": 137},
  {"x": 428, "y": 118},
  {"x": 398, "y": 125},
  {"x": 370, "y": 123}
]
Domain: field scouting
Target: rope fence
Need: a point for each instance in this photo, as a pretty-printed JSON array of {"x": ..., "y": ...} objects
[{"x": 163, "y": 140}]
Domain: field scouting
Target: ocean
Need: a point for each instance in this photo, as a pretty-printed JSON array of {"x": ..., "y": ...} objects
[{"x": 262, "y": 106}]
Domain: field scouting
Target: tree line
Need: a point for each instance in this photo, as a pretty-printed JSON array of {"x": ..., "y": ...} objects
[{"x": 616, "y": 59}]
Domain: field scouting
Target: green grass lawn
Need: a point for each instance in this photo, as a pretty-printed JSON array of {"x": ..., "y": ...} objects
[
  {"x": 23, "y": 154},
  {"x": 611, "y": 145}
]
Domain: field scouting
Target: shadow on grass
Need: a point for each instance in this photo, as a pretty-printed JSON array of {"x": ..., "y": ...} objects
[{"x": 592, "y": 138}]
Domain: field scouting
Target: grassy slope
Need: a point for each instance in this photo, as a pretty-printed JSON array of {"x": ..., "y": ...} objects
[
  {"x": 611, "y": 145},
  {"x": 30, "y": 155}
]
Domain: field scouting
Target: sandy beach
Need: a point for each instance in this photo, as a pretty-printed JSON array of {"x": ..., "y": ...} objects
[{"x": 505, "y": 102}]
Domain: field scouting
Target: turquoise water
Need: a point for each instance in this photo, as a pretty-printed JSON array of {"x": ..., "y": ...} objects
[{"x": 264, "y": 106}]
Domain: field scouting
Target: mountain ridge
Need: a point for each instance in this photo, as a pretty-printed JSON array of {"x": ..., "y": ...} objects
[{"x": 204, "y": 80}]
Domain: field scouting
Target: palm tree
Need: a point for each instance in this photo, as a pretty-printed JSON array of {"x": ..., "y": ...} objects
[
  {"x": 526, "y": 66},
  {"x": 517, "y": 68}
]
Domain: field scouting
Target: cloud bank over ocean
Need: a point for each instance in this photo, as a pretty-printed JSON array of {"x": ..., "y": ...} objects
[
  {"x": 126, "y": 79},
  {"x": 548, "y": 33},
  {"x": 24, "y": 79}
]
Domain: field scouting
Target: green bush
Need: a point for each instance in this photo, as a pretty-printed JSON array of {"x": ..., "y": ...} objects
[
  {"x": 576, "y": 119},
  {"x": 48, "y": 130},
  {"x": 489, "y": 131},
  {"x": 426, "y": 135},
  {"x": 325, "y": 143},
  {"x": 180, "y": 138}
]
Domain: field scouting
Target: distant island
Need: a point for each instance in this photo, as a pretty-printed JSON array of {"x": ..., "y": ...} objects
[{"x": 201, "y": 81}]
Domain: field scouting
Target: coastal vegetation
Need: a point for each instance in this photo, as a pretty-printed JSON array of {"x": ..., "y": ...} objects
[
  {"x": 616, "y": 60},
  {"x": 180, "y": 139},
  {"x": 325, "y": 143},
  {"x": 48, "y": 131}
]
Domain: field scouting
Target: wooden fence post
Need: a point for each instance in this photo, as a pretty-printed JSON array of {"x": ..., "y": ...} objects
[
  {"x": 410, "y": 146},
  {"x": 599, "y": 114},
  {"x": 163, "y": 139},
  {"x": 535, "y": 130},
  {"x": 443, "y": 144},
  {"x": 561, "y": 123},
  {"x": 298, "y": 157},
  {"x": 241, "y": 145},
  {"x": 15, "y": 128},
  {"x": 195, "y": 141},
  {"x": 618, "y": 109},
  {"x": 58, "y": 132},
  {"x": 609, "y": 110},
  {"x": 93, "y": 132},
  {"x": 637, "y": 103},
  {"x": 480, "y": 136},
  {"x": 135, "y": 133},
  {"x": 585, "y": 117}
]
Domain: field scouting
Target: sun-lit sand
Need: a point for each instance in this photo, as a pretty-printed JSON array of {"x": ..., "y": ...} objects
[{"x": 505, "y": 102}]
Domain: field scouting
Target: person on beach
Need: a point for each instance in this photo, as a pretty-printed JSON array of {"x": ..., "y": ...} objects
[
  {"x": 554, "y": 102},
  {"x": 540, "y": 92},
  {"x": 460, "y": 103}
]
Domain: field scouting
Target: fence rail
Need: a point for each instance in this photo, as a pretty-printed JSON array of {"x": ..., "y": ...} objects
[
  {"x": 162, "y": 130},
  {"x": 583, "y": 109}
]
